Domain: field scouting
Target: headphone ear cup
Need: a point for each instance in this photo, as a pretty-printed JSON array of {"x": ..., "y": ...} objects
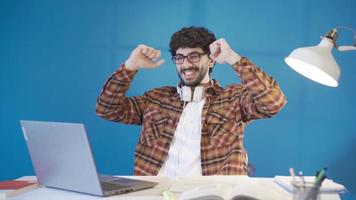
[
  {"x": 185, "y": 93},
  {"x": 179, "y": 91},
  {"x": 199, "y": 93}
]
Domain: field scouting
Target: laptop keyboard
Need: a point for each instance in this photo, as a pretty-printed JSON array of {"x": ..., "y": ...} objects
[
  {"x": 112, "y": 186},
  {"x": 124, "y": 180}
]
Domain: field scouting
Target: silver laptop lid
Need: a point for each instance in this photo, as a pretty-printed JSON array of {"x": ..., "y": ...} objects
[{"x": 61, "y": 156}]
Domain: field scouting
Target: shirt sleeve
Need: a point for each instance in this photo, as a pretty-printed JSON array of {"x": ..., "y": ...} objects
[
  {"x": 261, "y": 95},
  {"x": 112, "y": 103}
]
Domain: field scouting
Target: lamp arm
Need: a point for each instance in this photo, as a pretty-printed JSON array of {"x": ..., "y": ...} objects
[{"x": 346, "y": 47}]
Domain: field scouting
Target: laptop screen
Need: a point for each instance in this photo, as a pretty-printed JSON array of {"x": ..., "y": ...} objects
[{"x": 61, "y": 156}]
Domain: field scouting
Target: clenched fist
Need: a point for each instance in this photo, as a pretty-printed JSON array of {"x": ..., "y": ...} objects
[
  {"x": 222, "y": 53},
  {"x": 144, "y": 57}
]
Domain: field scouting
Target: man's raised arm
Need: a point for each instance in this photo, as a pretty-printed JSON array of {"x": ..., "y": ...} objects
[
  {"x": 262, "y": 96},
  {"x": 112, "y": 103}
]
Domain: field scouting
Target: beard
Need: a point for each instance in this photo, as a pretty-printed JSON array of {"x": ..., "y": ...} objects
[{"x": 196, "y": 75}]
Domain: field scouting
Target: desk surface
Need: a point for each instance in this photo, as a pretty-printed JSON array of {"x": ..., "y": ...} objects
[{"x": 176, "y": 185}]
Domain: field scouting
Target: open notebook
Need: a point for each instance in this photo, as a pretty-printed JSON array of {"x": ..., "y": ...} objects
[{"x": 228, "y": 188}]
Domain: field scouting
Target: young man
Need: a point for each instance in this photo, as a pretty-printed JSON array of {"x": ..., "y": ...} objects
[{"x": 196, "y": 128}]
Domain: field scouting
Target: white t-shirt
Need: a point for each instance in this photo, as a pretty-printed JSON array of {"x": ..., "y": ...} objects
[{"x": 183, "y": 157}]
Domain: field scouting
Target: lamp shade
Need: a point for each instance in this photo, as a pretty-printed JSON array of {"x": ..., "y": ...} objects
[{"x": 316, "y": 63}]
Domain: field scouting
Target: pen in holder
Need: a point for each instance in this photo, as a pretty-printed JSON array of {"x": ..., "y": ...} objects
[{"x": 305, "y": 191}]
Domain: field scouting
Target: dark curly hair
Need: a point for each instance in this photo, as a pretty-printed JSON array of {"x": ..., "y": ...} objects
[{"x": 191, "y": 37}]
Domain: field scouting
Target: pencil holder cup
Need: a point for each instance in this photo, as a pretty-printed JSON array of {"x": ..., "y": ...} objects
[{"x": 306, "y": 191}]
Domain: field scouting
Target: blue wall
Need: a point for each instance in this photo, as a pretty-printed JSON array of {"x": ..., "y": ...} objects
[{"x": 56, "y": 55}]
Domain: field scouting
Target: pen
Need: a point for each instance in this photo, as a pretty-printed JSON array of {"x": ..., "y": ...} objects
[
  {"x": 301, "y": 177},
  {"x": 292, "y": 174},
  {"x": 320, "y": 176}
]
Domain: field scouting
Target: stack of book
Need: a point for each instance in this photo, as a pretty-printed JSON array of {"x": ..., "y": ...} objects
[{"x": 11, "y": 188}]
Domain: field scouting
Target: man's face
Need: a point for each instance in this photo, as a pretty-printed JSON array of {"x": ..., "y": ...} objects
[{"x": 194, "y": 67}]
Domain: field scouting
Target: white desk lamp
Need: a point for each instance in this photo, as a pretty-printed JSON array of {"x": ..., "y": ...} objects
[{"x": 317, "y": 62}]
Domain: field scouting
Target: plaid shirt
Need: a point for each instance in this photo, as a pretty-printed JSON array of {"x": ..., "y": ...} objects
[{"x": 225, "y": 114}]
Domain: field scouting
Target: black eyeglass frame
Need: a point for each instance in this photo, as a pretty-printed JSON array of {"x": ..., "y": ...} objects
[{"x": 187, "y": 57}]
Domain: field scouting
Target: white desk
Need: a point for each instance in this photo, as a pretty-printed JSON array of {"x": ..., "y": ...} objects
[{"x": 176, "y": 185}]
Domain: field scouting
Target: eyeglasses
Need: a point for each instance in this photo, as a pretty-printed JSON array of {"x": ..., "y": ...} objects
[{"x": 192, "y": 58}]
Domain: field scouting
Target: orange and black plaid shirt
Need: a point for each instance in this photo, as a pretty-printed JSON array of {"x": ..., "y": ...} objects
[{"x": 225, "y": 114}]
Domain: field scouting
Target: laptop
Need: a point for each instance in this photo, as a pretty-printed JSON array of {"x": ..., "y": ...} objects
[{"x": 62, "y": 158}]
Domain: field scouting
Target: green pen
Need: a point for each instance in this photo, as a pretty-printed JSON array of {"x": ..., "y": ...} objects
[{"x": 320, "y": 177}]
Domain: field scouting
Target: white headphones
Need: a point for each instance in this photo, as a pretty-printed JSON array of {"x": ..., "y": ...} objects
[{"x": 186, "y": 93}]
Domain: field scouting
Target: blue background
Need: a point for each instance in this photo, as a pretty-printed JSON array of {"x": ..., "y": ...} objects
[{"x": 55, "y": 56}]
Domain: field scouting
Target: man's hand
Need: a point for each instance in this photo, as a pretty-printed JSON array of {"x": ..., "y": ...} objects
[
  {"x": 221, "y": 52},
  {"x": 144, "y": 57}
]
